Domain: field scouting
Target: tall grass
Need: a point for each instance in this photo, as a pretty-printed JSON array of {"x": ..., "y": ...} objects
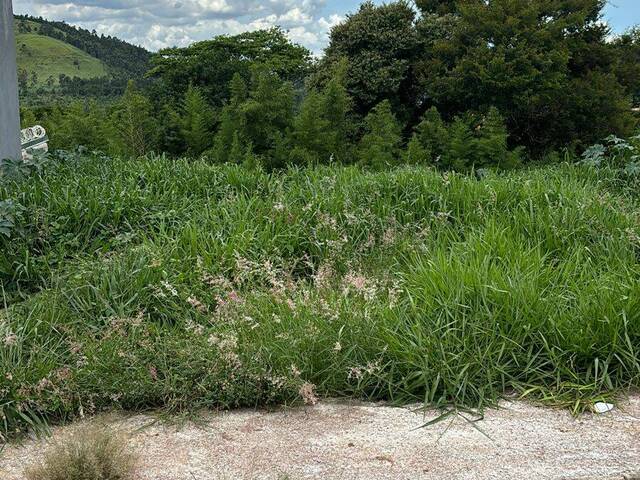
[{"x": 177, "y": 284}]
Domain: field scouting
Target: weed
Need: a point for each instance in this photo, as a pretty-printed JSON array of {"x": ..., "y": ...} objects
[{"x": 90, "y": 453}]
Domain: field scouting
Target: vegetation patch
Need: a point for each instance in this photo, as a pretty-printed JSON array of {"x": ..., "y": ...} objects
[
  {"x": 90, "y": 453},
  {"x": 179, "y": 284},
  {"x": 42, "y": 60}
]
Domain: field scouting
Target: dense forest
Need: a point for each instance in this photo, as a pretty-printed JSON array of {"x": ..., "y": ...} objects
[{"x": 457, "y": 84}]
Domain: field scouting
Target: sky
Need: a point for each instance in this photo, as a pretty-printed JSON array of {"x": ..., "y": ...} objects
[{"x": 155, "y": 24}]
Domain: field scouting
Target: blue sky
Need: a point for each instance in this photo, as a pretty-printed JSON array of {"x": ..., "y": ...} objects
[
  {"x": 622, "y": 14},
  {"x": 156, "y": 24}
]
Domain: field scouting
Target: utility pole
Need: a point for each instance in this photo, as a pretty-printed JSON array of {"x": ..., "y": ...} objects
[{"x": 9, "y": 110}]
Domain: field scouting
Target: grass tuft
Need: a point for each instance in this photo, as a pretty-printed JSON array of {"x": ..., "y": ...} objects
[{"x": 90, "y": 453}]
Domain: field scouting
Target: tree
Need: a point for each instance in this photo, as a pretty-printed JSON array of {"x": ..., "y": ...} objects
[
  {"x": 432, "y": 133},
  {"x": 416, "y": 153},
  {"x": 311, "y": 135},
  {"x": 170, "y": 136},
  {"x": 213, "y": 63},
  {"x": 236, "y": 153},
  {"x": 540, "y": 62},
  {"x": 196, "y": 121},
  {"x": 268, "y": 112},
  {"x": 232, "y": 120},
  {"x": 627, "y": 68},
  {"x": 380, "y": 146},
  {"x": 132, "y": 130},
  {"x": 380, "y": 44},
  {"x": 335, "y": 109}
]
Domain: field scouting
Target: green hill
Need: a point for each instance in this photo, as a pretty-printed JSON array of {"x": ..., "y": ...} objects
[
  {"x": 57, "y": 60},
  {"x": 44, "y": 59}
]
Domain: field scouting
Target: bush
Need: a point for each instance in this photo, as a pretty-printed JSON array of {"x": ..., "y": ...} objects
[
  {"x": 465, "y": 143},
  {"x": 380, "y": 146},
  {"x": 91, "y": 453},
  {"x": 617, "y": 153}
]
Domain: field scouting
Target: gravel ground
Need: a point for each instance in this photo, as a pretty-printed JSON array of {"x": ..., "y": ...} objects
[{"x": 335, "y": 440}]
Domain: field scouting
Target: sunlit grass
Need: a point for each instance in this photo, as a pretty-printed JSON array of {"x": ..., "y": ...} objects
[{"x": 177, "y": 284}]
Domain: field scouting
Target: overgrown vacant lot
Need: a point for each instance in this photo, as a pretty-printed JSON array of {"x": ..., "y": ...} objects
[{"x": 178, "y": 284}]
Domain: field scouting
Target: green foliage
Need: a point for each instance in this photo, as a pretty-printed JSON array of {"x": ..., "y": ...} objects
[
  {"x": 465, "y": 143},
  {"x": 197, "y": 121},
  {"x": 311, "y": 130},
  {"x": 416, "y": 153},
  {"x": 213, "y": 63},
  {"x": 491, "y": 144},
  {"x": 545, "y": 63},
  {"x": 267, "y": 113},
  {"x": 380, "y": 44},
  {"x": 440, "y": 7},
  {"x": 627, "y": 49},
  {"x": 336, "y": 109},
  {"x": 618, "y": 153},
  {"x": 380, "y": 146},
  {"x": 132, "y": 130},
  {"x": 9, "y": 212},
  {"x": 77, "y": 123},
  {"x": 432, "y": 133},
  {"x": 175, "y": 283},
  {"x": 320, "y": 132},
  {"x": 236, "y": 154}
]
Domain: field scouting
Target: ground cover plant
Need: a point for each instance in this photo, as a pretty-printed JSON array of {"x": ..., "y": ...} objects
[
  {"x": 90, "y": 453},
  {"x": 156, "y": 282}
]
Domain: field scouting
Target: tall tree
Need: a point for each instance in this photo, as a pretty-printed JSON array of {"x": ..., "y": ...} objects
[
  {"x": 268, "y": 112},
  {"x": 336, "y": 108},
  {"x": 232, "y": 120},
  {"x": 321, "y": 128},
  {"x": 380, "y": 44},
  {"x": 311, "y": 130},
  {"x": 132, "y": 126},
  {"x": 211, "y": 64},
  {"x": 380, "y": 146},
  {"x": 197, "y": 121},
  {"x": 542, "y": 63}
]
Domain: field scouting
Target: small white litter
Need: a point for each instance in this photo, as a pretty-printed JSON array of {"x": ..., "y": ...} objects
[{"x": 601, "y": 407}]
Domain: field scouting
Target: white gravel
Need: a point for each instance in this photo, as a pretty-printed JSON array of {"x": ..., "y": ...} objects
[{"x": 335, "y": 440}]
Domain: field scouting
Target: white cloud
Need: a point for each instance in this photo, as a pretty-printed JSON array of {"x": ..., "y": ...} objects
[{"x": 155, "y": 24}]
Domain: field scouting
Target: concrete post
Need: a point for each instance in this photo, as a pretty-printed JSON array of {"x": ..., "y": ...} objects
[{"x": 9, "y": 111}]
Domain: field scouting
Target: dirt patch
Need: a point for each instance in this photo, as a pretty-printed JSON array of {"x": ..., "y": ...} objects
[{"x": 335, "y": 440}]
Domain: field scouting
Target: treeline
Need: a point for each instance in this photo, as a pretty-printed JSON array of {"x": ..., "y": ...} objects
[{"x": 455, "y": 84}]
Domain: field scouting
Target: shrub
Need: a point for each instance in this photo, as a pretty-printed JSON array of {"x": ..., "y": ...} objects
[
  {"x": 91, "y": 453},
  {"x": 617, "y": 153},
  {"x": 9, "y": 212},
  {"x": 466, "y": 143},
  {"x": 380, "y": 146}
]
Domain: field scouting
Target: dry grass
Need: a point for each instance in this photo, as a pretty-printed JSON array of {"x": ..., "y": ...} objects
[{"x": 91, "y": 453}]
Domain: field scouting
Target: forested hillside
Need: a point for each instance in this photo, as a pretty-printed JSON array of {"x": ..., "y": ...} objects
[{"x": 56, "y": 59}]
